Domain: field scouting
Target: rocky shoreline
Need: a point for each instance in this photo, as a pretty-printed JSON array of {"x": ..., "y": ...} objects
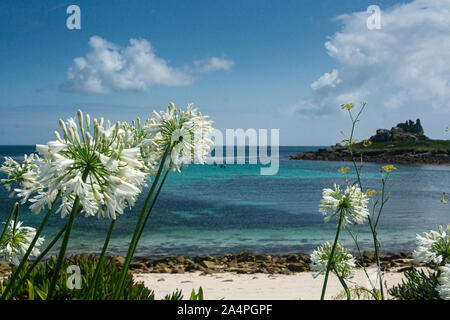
[
  {"x": 391, "y": 157},
  {"x": 247, "y": 263}
]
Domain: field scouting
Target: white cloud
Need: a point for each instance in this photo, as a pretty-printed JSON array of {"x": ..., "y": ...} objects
[
  {"x": 214, "y": 64},
  {"x": 328, "y": 79},
  {"x": 108, "y": 67},
  {"x": 405, "y": 63}
]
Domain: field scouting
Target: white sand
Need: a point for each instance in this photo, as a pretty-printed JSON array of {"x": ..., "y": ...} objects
[{"x": 255, "y": 286}]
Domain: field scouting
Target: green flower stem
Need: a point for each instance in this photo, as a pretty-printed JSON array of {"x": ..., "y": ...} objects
[
  {"x": 100, "y": 261},
  {"x": 7, "y": 181},
  {"x": 38, "y": 259},
  {"x": 344, "y": 285},
  {"x": 138, "y": 227},
  {"x": 349, "y": 297},
  {"x": 153, "y": 204},
  {"x": 63, "y": 248},
  {"x": 376, "y": 244},
  {"x": 358, "y": 174},
  {"x": 8, "y": 221},
  {"x": 149, "y": 211},
  {"x": 341, "y": 217},
  {"x": 31, "y": 246},
  {"x": 16, "y": 218},
  {"x": 360, "y": 256},
  {"x": 383, "y": 202},
  {"x": 98, "y": 289}
]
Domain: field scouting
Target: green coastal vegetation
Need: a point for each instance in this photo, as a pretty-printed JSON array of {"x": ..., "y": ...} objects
[{"x": 422, "y": 145}]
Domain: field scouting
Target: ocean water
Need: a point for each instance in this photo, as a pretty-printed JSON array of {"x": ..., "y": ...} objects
[{"x": 213, "y": 210}]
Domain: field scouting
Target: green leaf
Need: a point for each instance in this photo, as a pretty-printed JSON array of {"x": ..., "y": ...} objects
[
  {"x": 40, "y": 293},
  {"x": 30, "y": 291},
  {"x": 193, "y": 295}
]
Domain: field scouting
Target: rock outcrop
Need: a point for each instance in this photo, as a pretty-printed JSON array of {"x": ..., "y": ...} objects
[
  {"x": 401, "y": 132},
  {"x": 409, "y": 132}
]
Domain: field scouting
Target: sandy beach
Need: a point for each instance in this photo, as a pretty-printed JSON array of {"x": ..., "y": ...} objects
[{"x": 258, "y": 286}]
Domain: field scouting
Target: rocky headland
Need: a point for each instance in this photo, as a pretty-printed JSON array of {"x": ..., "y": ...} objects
[{"x": 405, "y": 143}]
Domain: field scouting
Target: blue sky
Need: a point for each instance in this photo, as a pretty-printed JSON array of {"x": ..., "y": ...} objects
[{"x": 247, "y": 64}]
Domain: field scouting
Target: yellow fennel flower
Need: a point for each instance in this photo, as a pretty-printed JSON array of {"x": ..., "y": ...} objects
[
  {"x": 388, "y": 168},
  {"x": 348, "y": 141},
  {"x": 343, "y": 170},
  {"x": 366, "y": 143},
  {"x": 371, "y": 192},
  {"x": 347, "y": 106}
]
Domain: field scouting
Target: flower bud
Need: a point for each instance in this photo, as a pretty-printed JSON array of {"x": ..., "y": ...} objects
[
  {"x": 58, "y": 137},
  {"x": 88, "y": 138},
  {"x": 96, "y": 195},
  {"x": 63, "y": 126},
  {"x": 96, "y": 130},
  {"x": 88, "y": 121},
  {"x": 71, "y": 134},
  {"x": 107, "y": 197},
  {"x": 80, "y": 118},
  {"x": 77, "y": 137},
  {"x": 115, "y": 180}
]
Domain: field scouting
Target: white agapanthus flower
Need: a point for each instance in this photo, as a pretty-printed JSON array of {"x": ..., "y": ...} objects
[
  {"x": 91, "y": 162},
  {"x": 352, "y": 202},
  {"x": 342, "y": 265},
  {"x": 444, "y": 282},
  {"x": 433, "y": 246},
  {"x": 17, "y": 241},
  {"x": 185, "y": 131},
  {"x": 22, "y": 174}
]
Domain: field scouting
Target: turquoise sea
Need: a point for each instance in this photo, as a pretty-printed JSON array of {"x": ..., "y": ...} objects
[{"x": 208, "y": 209}]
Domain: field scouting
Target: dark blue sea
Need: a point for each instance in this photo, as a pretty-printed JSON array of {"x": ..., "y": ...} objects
[{"x": 214, "y": 210}]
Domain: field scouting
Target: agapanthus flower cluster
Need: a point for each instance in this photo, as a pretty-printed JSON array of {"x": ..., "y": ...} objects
[
  {"x": 342, "y": 265},
  {"x": 16, "y": 241},
  {"x": 132, "y": 133},
  {"x": 91, "y": 162},
  {"x": 186, "y": 132},
  {"x": 433, "y": 246},
  {"x": 352, "y": 203},
  {"x": 23, "y": 175},
  {"x": 444, "y": 282}
]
